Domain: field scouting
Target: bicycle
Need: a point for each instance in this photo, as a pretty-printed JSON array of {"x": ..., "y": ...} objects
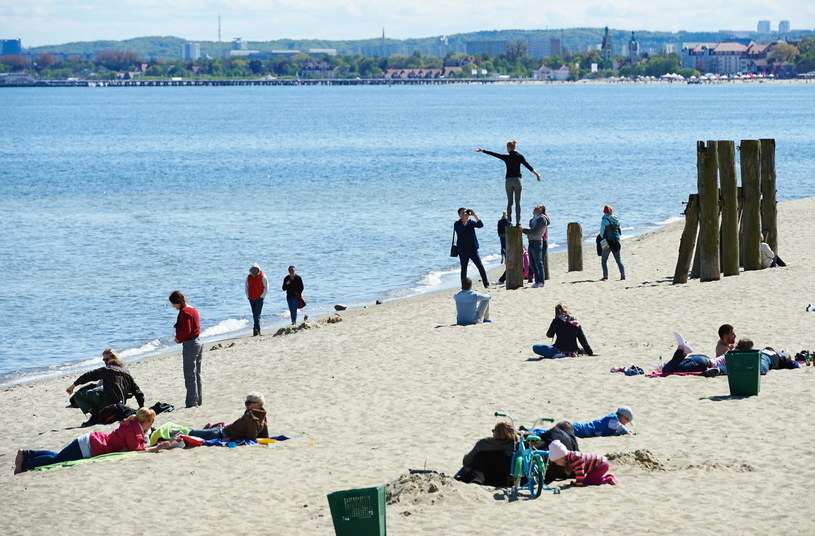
[{"x": 528, "y": 465}]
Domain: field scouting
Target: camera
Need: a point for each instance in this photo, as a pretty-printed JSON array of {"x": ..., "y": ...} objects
[{"x": 469, "y": 212}]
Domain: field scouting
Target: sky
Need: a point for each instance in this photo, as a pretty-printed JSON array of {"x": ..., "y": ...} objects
[{"x": 51, "y": 22}]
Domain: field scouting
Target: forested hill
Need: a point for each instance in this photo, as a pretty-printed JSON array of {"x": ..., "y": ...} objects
[{"x": 574, "y": 39}]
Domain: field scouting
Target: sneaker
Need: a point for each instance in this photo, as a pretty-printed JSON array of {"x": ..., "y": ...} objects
[
  {"x": 18, "y": 462},
  {"x": 603, "y": 279},
  {"x": 488, "y": 321},
  {"x": 537, "y": 285},
  {"x": 622, "y": 278},
  {"x": 711, "y": 372},
  {"x": 682, "y": 343}
]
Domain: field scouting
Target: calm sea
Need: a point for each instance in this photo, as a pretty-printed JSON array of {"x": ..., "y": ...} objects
[{"x": 110, "y": 198}]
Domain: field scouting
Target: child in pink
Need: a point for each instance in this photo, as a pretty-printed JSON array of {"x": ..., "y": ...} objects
[{"x": 588, "y": 469}]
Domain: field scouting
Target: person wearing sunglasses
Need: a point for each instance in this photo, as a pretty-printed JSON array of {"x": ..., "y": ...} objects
[{"x": 250, "y": 426}]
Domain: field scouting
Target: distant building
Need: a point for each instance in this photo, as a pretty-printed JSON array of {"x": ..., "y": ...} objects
[
  {"x": 544, "y": 48},
  {"x": 238, "y": 43},
  {"x": 490, "y": 48},
  {"x": 727, "y": 57},
  {"x": 190, "y": 51},
  {"x": 784, "y": 27},
  {"x": 633, "y": 49},
  {"x": 16, "y": 79},
  {"x": 325, "y": 51},
  {"x": 763, "y": 27},
  {"x": 11, "y": 46},
  {"x": 607, "y": 47}
]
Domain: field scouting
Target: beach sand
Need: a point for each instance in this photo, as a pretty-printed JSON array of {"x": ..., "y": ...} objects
[{"x": 397, "y": 386}]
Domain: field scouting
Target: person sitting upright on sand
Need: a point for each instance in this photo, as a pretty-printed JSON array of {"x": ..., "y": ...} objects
[{"x": 471, "y": 307}]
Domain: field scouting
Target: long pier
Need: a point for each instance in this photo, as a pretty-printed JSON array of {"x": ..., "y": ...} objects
[{"x": 272, "y": 82}]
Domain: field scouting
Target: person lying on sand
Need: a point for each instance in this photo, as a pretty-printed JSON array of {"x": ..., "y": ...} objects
[
  {"x": 770, "y": 359},
  {"x": 250, "y": 426},
  {"x": 612, "y": 424},
  {"x": 129, "y": 436}
]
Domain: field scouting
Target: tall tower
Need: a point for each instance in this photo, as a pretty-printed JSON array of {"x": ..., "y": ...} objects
[
  {"x": 633, "y": 49},
  {"x": 219, "y": 27},
  {"x": 607, "y": 49}
]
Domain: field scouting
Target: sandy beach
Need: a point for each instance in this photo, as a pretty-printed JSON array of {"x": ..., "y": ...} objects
[{"x": 397, "y": 386}]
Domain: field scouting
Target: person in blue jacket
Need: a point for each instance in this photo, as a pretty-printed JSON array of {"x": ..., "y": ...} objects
[
  {"x": 612, "y": 424},
  {"x": 467, "y": 243},
  {"x": 610, "y": 231}
]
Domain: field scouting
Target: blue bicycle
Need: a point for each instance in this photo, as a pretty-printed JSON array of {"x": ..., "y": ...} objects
[{"x": 528, "y": 465}]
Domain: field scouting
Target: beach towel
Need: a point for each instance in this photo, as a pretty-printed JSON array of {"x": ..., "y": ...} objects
[
  {"x": 231, "y": 443},
  {"x": 660, "y": 374},
  {"x": 102, "y": 458}
]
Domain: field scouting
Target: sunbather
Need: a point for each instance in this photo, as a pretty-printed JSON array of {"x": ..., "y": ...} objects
[
  {"x": 129, "y": 436},
  {"x": 251, "y": 425}
]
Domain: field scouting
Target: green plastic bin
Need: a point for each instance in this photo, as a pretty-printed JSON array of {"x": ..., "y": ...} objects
[
  {"x": 743, "y": 372},
  {"x": 358, "y": 512}
]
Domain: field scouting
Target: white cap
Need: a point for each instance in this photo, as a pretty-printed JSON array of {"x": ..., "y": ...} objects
[
  {"x": 625, "y": 411},
  {"x": 557, "y": 450}
]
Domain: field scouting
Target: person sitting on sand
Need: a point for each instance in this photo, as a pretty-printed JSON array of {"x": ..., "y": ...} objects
[
  {"x": 129, "y": 436},
  {"x": 588, "y": 469},
  {"x": 117, "y": 386},
  {"x": 488, "y": 462},
  {"x": 568, "y": 332},
  {"x": 768, "y": 258},
  {"x": 471, "y": 307},
  {"x": 250, "y": 426}
]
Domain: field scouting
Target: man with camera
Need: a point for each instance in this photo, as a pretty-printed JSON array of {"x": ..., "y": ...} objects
[{"x": 467, "y": 243}]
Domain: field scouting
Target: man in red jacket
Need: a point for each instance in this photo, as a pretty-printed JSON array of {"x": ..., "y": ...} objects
[{"x": 256, "y": 287}]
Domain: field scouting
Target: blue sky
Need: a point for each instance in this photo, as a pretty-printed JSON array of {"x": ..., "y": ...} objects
[{"x": 44, "y": 22}]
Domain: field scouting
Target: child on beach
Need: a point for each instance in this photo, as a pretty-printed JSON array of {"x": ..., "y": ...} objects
[
  {"x": 488, "y": 462},
  {"x": 612, "y": 424},
  {"x": 588, "y": 469}
]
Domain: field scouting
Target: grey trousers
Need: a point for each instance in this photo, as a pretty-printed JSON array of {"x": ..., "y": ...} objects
[
  {"x": 513, "y": 187},
  {"x": 191, "y": 352}
]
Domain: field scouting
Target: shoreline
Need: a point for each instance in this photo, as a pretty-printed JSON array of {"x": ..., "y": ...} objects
[{"x": 399, "y": 387}]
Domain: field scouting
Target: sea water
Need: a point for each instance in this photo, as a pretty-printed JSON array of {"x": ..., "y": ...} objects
[{"x": 111, "y": 198}]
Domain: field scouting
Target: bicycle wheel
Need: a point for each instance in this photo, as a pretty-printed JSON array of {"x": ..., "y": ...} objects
[{"x": 536, "y": 476}]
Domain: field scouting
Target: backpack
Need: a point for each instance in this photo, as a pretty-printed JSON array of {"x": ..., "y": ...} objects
[{"x": 111, "y": 413}]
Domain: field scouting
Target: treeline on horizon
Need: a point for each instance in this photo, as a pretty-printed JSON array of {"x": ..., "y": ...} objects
[
  {"x": 575, "y": 39},
  {"x": 515, "y": 62}
]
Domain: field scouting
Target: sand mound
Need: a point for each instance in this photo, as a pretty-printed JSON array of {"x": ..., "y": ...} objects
[
  {"x": 427, "y": 489},
  {"x": 642, "y": 458}
]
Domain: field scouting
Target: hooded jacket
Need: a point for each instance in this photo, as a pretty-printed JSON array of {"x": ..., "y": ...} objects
[
  {"x": 256, "y": 285},
  {"x": 568, "y": 331},
  {"x": 610, "y": 227}
]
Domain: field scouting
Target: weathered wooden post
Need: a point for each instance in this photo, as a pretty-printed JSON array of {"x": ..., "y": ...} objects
[
  {"x": 688, "y": 241},
  {"x": 769, "y": 209},
  {"x": 515, "y": 260},
  {"x": 574, "y": 245},
  {"x": 730, "y": 208},
  {"x": 708, "y": 166},
  {"x": 751, "y": 218}
]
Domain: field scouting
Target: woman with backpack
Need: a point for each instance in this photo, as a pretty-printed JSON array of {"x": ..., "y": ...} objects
[{"x": 610, "y": 232}]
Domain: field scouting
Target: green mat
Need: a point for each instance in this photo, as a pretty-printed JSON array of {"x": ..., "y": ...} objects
[{"x": 102, "y": 458}]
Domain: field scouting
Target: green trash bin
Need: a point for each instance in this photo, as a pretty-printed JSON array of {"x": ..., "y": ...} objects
[
  {"x": 358, "y": 512},
  {"x": 743, "y": 372}
]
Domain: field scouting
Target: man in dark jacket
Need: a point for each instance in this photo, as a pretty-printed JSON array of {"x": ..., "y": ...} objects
[{"x": 117, "y": 385}]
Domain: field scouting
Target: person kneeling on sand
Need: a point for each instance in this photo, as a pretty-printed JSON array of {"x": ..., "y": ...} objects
[
  {"x": 471, "y": 307},
  {"x": 129, "y": 436},
  {"x": 250, "y": 426},
  {"x": 568, "y": 332},
  {"x": 588, "y": 469},
  {"x": 117, "y": 386},
  {"x": 488, "y": 462}
]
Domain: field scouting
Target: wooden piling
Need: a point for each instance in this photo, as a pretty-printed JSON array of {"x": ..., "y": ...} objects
[
  {"x": 751, "y": 217},
  {"x": 688, "y": 241},
  {"x": 574, "y": 244},
  {"x": 515, "y": 261},
  {"x": 730, "y": 208},
  {"x": 769, "y": 209},
  {"x": 708, "y": 167}
]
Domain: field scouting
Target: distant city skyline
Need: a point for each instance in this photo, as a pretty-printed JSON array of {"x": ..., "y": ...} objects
[{"x": 53, "y": 22}]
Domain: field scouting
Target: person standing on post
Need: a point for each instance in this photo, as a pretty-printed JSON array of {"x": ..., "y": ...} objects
[
  {"x": 187, "y": 330},
  {"x": 293, "y": 285},
  {"x": 257, "y": 285},
  {"x": 467, "y": 243},
  {"x": 513, "y": 161}
]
